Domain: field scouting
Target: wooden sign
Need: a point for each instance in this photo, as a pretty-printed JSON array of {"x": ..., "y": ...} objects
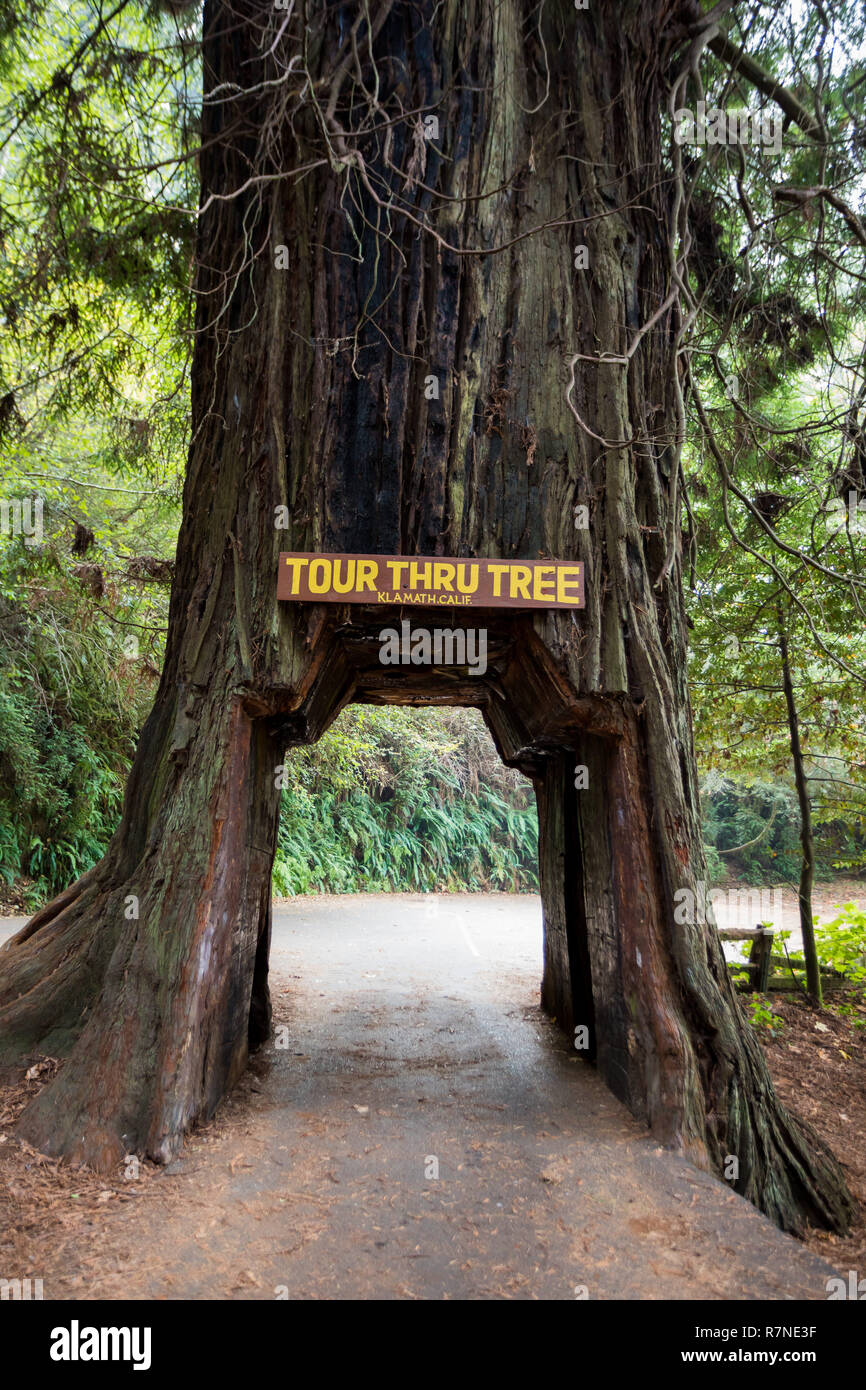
[{"x": 430, "y": 581}]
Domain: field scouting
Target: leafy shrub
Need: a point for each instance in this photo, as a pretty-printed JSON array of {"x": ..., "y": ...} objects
[
  {"x": 841, "y": 944},
  {"x": 761, "y": 1015}
]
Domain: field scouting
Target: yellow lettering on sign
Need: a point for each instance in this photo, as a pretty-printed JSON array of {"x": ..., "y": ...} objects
[
  {"x": 540, "y": 586},
  {"x": 467, "y": 586},
  {"x": 415, "y": 578},
  {"x": 344, "y": 586},
  {"x": 520, "y": 577},
  {"x": 296, "y": 567},
  {"x": 567, "y": 575},
  {"x": 319, "y": 576},
  {"x": 497, "y": 572},
  {"x": 367, "y": 572},
  {"x": 397, "y": 567},
  {"x": 443, "y": 576}
]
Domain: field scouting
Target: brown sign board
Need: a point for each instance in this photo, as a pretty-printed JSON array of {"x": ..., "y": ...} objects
[{"x": 430, "y": 581}]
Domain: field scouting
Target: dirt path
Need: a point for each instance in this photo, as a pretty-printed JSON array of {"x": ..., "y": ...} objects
[{"x": 411, "y": 1035}]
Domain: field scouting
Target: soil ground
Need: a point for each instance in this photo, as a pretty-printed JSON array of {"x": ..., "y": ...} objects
[
  {"x": 818, "y": 1063},
  {"x": 409, "y": 1043}
]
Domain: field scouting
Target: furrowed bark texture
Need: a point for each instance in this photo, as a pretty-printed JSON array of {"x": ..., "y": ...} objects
[{"x": 408, "y": 259}]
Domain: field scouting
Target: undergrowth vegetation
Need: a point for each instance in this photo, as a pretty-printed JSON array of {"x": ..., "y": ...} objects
[
  {"x": 71, "y": 703},
  {"x": 405, "y": 799},
  {"x": 752, "y": 830}
]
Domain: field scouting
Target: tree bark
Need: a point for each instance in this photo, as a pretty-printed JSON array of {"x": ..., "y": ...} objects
[
  {"x": 405, "y": 259},
  {"x": 807, "y": 843}
]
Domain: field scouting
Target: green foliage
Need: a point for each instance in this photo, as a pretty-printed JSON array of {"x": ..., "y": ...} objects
[
  {"x": 405, "y": 800},
  {"x": 761, "y": 1015},
  {"x": 777, "y": 444},
  {"x": 70, "y": 705},
  {"x": 760, "y": 820},
  {"x": 96, "y": 227},
  {"x": 842, "y": 943},
  {"x": 95, "y": 252},
  {"x": 840, "y": 946}
]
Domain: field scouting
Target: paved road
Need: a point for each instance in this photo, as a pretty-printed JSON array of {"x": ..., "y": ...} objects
[{"x": 419, "y": 1130}]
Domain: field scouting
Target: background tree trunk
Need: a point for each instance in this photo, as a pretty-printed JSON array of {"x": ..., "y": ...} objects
[
  {"x": 807, "y": 843},
  {"x": 409, "y": 258}
]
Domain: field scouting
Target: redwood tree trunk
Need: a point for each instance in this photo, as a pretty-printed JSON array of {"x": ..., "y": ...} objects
[{"x": 327, "y": 300}]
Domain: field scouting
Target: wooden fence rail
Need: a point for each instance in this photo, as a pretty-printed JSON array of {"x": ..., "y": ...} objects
[{"x": 761, "y": 958}]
